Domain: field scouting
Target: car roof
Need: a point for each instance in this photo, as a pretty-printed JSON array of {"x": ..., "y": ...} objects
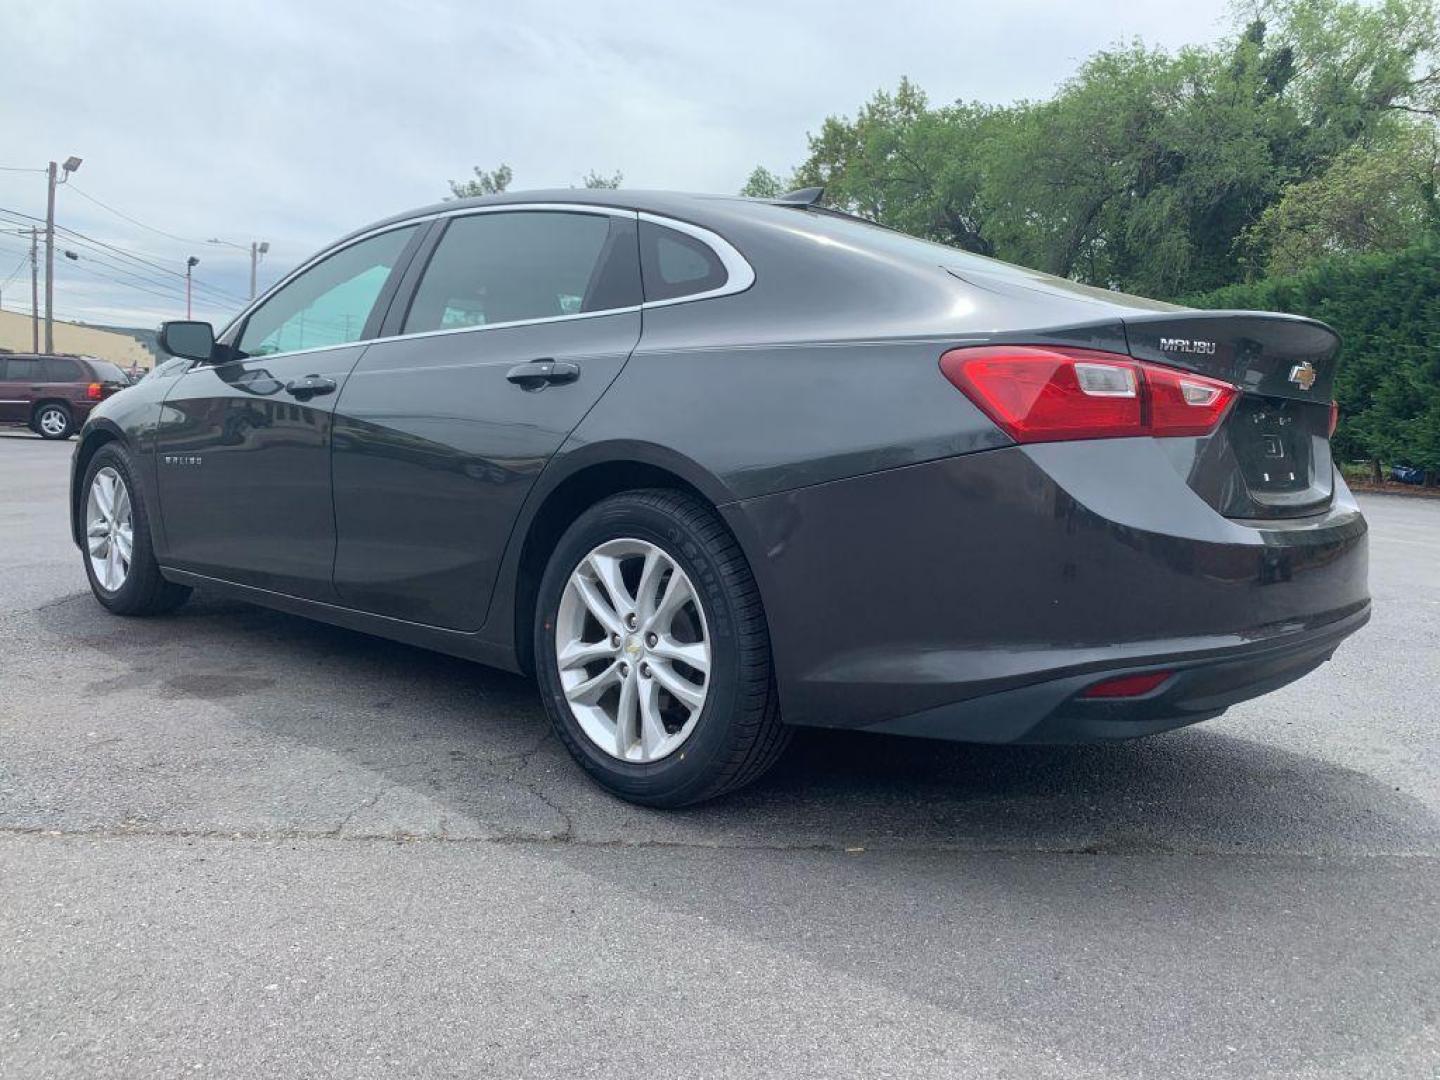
[{"x": 686, "y": 206}]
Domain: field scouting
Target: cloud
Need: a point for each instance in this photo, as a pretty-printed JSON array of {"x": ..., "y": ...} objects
[{"x": 295, "y": 123}]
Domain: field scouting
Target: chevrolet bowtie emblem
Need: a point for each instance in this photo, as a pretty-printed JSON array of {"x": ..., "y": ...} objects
[{"x": 1303, "y": 375}]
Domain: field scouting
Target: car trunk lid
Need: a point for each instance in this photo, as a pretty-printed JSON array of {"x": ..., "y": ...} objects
[{"x": 1271, "y": 456}]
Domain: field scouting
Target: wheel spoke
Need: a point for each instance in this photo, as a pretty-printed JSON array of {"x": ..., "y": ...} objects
[
  {"x": 677, "y": 594},
  {"x": 684, "y": 691},
  {"x": 595, "y": 602},
  {"x": 105, "y": 495},
  {"x": 99, "y": 544},
  {"x": 124, "y": 540},
  {"x": 591, "y": 690},
  {"x": 607, "y": 570},
  {"x": 645, "y": 599},
  {"x": 122, "y": 503},
  {"x": 652, "y": 728},
  {"x": 625, "y": 726},
  {"x": 696, "y": 655},
  {"x": 112, "y": 567},
  {"x": 581, "y": 653}
]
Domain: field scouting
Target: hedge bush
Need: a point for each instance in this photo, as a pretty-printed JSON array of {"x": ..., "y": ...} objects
[{"x": 1386, "y": 308}]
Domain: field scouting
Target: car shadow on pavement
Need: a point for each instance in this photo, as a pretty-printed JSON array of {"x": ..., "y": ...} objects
[
  {"x": 956, "y": 885},
  {"x": 226, "y": 716}
]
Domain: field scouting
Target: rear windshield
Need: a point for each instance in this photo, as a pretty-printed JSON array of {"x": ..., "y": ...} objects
[
  {"x": 107, "y": 372},
  {"x": 958, "y": 261},
  {"x": 879, "y": 238}
]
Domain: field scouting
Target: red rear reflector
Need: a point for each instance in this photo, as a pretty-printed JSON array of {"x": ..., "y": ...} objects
[
  {"x": 1044, "y": 393},
  {"x": 93, "y": 391},
  {"x": 1127, "y": 685},
  {"x": 1334, "y": 417}
]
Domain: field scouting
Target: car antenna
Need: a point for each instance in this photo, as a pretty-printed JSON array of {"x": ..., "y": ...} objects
[{"x": 805, "y": 196}]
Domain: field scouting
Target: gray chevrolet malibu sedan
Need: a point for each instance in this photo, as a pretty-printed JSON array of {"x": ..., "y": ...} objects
[{"x": 712, "y": 467}]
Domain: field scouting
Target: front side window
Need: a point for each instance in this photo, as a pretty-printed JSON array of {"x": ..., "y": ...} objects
[
  {"x": 526, "y": 264},
  {"x": 676, "y": 264},
  {"x": 330, "y": 303}
]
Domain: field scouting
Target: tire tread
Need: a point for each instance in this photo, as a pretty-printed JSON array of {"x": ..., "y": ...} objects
[{"x": 759, "y": 736}]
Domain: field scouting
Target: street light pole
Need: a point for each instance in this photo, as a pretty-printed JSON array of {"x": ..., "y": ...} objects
[
  {"x": 50, "y": 259},
  {"x": 53, "y": 180},
  {"x": 190, "y": 265}
]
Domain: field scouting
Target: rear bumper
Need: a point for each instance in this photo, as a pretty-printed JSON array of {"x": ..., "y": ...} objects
[
  {"x": 973, "y": 597},
  {"x": 1204, "y": 684}
]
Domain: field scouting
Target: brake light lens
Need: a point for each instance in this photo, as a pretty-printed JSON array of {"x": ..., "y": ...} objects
[
  {"x": 93, "y": 391},
  {"x": 1049, "y": 393},
  {"x": 1127, "y": 686},
  {"x": 1334, "y": 418}
]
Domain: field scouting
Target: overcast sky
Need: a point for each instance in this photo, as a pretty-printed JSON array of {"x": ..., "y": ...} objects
[{"x": 295, "y": 122}]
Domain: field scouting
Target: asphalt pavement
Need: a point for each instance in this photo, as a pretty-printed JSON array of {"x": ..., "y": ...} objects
[{"x": 234, "y": 843}]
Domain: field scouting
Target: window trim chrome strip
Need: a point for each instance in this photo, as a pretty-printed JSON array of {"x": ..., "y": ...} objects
[{"x": 739, "y": 273}]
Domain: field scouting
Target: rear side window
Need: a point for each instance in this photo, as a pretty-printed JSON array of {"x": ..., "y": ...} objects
[
  {"x": 523, "y": 265},
  {"x": 108, "y": 372},
  {"x": 675, "y": 264},
  {"x": 330, "y": 303},
  {"x": 20, "y": 370},
  {"x": 59, "y": 369}
]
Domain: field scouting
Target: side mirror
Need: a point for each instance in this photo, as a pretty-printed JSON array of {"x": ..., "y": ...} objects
[{"x": 192, "y": 340}]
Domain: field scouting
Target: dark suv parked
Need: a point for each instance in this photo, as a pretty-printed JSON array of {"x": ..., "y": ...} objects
[{"x": 53, "y": 395}]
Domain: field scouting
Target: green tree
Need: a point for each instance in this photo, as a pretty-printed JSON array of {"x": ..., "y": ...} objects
[
  {"x": 1386, "y": 308},
  {"x": 1147, "y": 171},
  {"x": 763, "y": 184},
  {"x": 493, "y": 182},
  {"x": 597, "y": 180},
  {"x": 908, "y": 166},
  {"x": 1372, "y": 198}
]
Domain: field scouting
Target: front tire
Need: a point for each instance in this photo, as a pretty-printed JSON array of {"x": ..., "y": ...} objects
[
  {"x": 652, "y": 652},
  {"x": 53, "y": 421},
  {"x": 119, "y": 558}
]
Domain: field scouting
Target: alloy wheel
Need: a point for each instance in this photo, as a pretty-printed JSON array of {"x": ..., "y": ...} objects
[
  {"x": 109, "y": 529},
  {"x": 53, "y": 422},
  {"x": 633, "y": 650}
]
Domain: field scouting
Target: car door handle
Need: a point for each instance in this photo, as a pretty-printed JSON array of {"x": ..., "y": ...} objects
[
  {"x": 310, "y": 386},
  {"x": 538, "y": 374}
]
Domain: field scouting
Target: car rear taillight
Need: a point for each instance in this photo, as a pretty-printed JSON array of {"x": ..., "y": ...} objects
[
  {"x": 1334, "y": 418},
  {"x": 1127, "y": 685},
  {"x": 1044, "y": 393},
  {"x": 93, "y": 391}
]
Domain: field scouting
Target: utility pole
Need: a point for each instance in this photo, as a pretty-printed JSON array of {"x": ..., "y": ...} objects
[
  {"x": 54, "y": 180},
  {"x": 258, "y": 249},
  {"x": 34, "y": 290}
]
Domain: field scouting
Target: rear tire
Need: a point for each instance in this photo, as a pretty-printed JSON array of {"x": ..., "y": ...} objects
[
  {"x": 53, "y": 421},
  {"x": 730, "y": 739},
  {"x": 132, "y": 586}
]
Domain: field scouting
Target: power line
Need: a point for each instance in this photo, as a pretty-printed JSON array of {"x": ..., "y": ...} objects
[
  {"x": 130, "y": 278},
  {"x": 171, "y": 297},
  {"x": 18, "y": 267},
  {"x": 18, "y": 168},
  {"x": 85, "y": 239},
  {"x": 134, "y": 221}
]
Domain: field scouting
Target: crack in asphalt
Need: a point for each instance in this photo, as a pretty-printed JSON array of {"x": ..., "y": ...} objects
[{"x": 518, "y": 839}]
